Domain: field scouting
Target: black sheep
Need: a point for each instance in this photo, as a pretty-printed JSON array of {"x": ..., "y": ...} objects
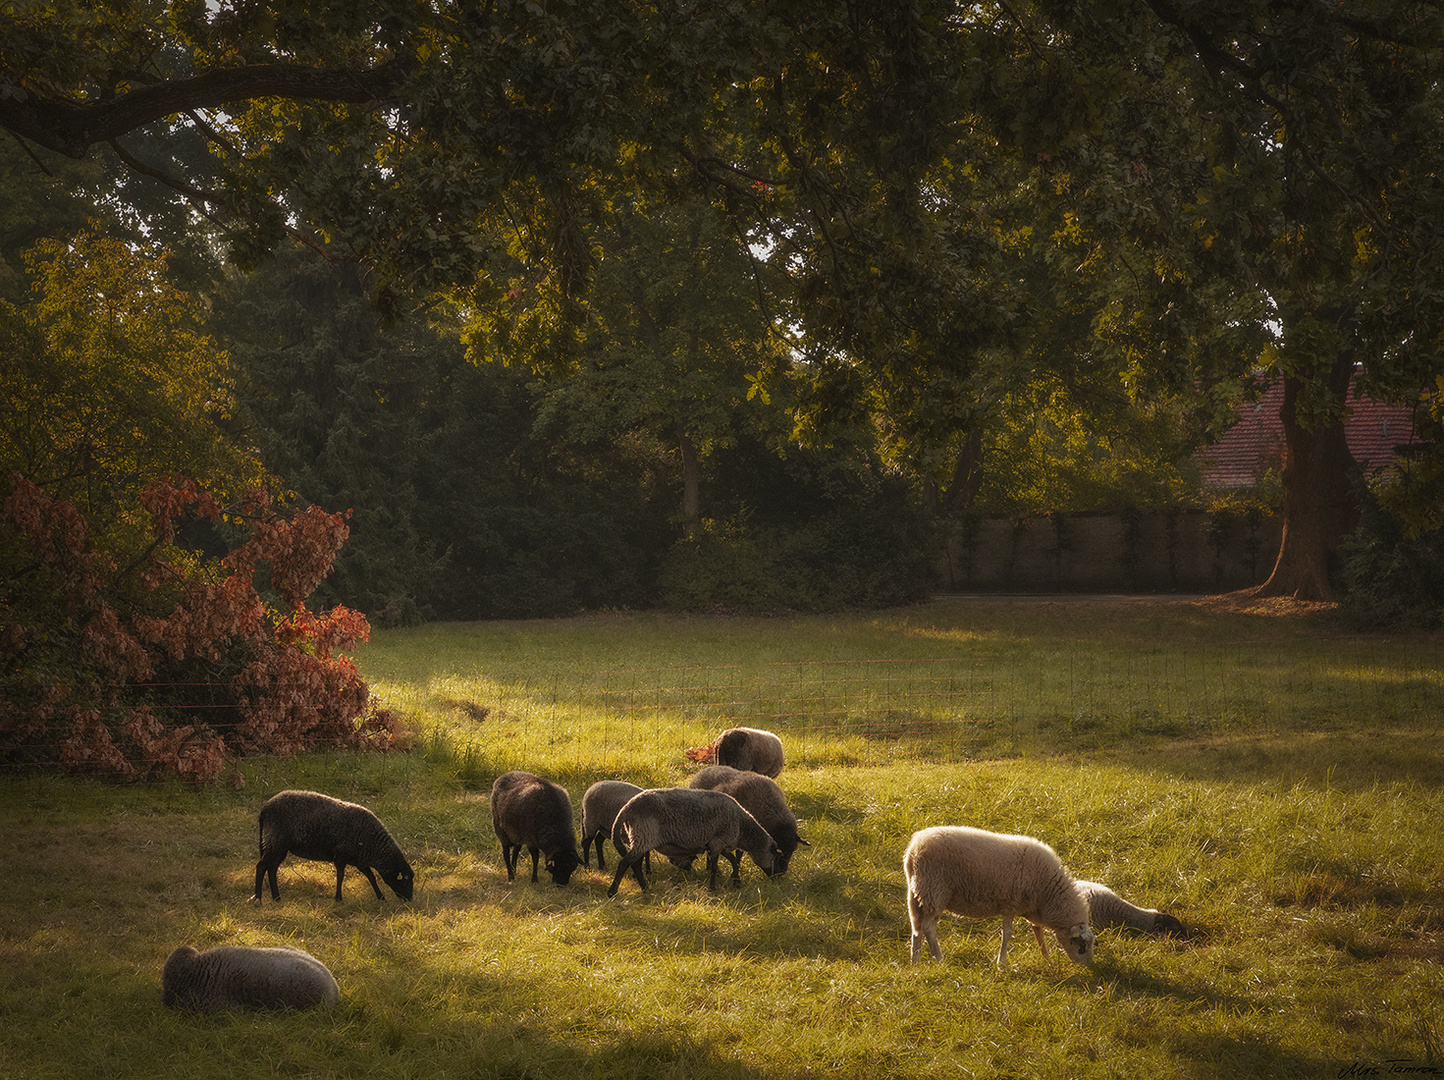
[
  {"x": 536, "y": 814},
  {"x": 310, "y": 825}
]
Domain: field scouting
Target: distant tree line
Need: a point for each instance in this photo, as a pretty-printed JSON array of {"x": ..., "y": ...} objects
[{"x": 775, "y": 288}]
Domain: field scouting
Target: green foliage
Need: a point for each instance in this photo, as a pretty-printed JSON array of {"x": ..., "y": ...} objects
[
  {"x": 38, "y": 201},
  {"x": 110, "y": 382},
  {"x": 1393, "y": 576},
  {"x": 1045, "y": 454},
  {"x": 1137, "y": 203},
  {"x": 853, "y": 559},
  {"x": 466, "y": 499},
  {"x": 343, "y": 412},
  {"x": 817, "y": 530}
]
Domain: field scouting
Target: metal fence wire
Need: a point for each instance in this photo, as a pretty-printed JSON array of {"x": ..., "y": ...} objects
[{"x": 876, "y": 711}]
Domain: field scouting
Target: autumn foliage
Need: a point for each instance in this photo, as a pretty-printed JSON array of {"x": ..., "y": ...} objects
[{"x": 174, "y": 662}]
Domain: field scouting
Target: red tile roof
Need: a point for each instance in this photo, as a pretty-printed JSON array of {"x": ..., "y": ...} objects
[{"x": 1246, "y": 451}]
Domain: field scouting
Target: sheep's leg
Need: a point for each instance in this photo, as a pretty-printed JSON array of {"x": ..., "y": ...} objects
[
  {"x": 371, "y": 878},
  {"x": 735, "y": 858},
  {"x": 510, "y": 856},
  {"x": 261, "y": 869},
  {"x": 1042, "y": 940},
  {"x": 634, "y": 862},
  {"x": 1007, "y": 936},
  {"x": 712, "y": 870},
  {"x": 924, "y": 929},
  {"x": 340, "y": 873},
  {"x": 534, "y": 853}
]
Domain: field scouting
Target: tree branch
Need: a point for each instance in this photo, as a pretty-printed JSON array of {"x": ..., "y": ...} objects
[{"x": 72, "y": 128}]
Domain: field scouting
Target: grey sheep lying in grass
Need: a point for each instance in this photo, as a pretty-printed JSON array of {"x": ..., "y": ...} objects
[
  {"x": 237, "y": 977},
  {"x": 685, "y": 822},
  {"x": 763, "y": 799},
  {"x": 530, "y": 812},
  {"x": 310, "y": 825},
  {"x": 1107, "y": 909},
  {"x": 984, "y": 874},
  {"x": 750, "y": 749}
]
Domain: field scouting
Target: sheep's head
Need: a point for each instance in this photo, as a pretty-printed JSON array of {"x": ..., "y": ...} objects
[
  {"x": 561, "y": 865},
  {"x": 1077, "y": 942},
  {"x": 1168, "y": 926},
  {"x": 785, "y": 849},
  {"x": 401, "y": 879},
  {"x": 769, "y": 858}
]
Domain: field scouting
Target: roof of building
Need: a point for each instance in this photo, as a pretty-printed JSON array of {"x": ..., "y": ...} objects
[{"x": 1245, "y": 452}]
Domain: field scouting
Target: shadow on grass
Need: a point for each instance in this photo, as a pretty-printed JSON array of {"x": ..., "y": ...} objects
[
  {"x": 1341, "y": 760},
  {"x": 1219, "y": 1057}
]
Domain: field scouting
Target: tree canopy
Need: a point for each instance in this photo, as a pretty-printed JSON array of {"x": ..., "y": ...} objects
[{"x": 1140, "y": 203}]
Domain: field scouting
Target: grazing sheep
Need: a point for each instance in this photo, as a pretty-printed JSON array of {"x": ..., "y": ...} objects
[
  {"x": 1108, "y": 909},
  {"x": 310, "y": 825},
  {"x": 762, "y": 798},
  {"x": 235, "y": 977},
  {"x": 600, "y": 804},
  {"x": 684, "y": 822},
  {"x": 981, "y": 874},
  {"x": 742, "y": 748},
  {"x": 536, "y": 814}
]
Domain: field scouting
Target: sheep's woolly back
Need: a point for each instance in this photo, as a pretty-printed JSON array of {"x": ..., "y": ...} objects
[
  {"x": 749, "y": 749},
  {"x": 978, "y": 873},
  {"x": 685, "y": 821},
  {"x": 600, "y": 804},
  {"x": 237, "y": 977},
  {"x": 532, "y": 811}
]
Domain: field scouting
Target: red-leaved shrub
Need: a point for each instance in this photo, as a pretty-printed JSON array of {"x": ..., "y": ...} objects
[{"x": 174, "y": 662}]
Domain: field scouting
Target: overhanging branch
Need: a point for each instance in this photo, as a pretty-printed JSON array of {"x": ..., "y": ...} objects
[{"x": 72, "y": 128}]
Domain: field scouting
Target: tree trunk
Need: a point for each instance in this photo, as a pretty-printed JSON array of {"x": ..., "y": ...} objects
[
  {"x": 691, "y": 484},
  {"x": 1319, "y": 507}
]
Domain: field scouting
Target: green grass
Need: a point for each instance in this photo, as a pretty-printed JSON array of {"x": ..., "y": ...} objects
[{"x": 1274, "y": 782}]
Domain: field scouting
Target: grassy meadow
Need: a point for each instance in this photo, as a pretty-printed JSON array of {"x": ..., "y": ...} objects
[{"x": 1271, "y": 779}]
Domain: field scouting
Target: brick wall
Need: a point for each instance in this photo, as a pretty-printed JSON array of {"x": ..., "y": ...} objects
[{"x": 1188, "y": 551}]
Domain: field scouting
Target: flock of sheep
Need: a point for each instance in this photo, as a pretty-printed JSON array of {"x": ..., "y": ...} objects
[{"x": 731, "y": 807}]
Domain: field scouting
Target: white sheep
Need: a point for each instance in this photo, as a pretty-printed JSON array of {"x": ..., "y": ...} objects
[
  {"x": 983, "y": 874},
  {"x": 745, "y": 748},
  {"x": 238, "y": 977},
  {"x": 684, "y": 822},
  {"x": 1107, "y": 909}
]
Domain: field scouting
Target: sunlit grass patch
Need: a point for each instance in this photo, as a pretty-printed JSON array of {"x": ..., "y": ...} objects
[{"x": 1293, "y": 830}]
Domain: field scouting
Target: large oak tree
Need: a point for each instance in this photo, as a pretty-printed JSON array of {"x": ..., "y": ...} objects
[{"x": 1223, "y": 158}]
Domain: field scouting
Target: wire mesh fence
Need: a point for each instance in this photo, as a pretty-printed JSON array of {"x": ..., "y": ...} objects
[
  {"x": 874, "y": 711},
  {"x": 869, "y": 711}
]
